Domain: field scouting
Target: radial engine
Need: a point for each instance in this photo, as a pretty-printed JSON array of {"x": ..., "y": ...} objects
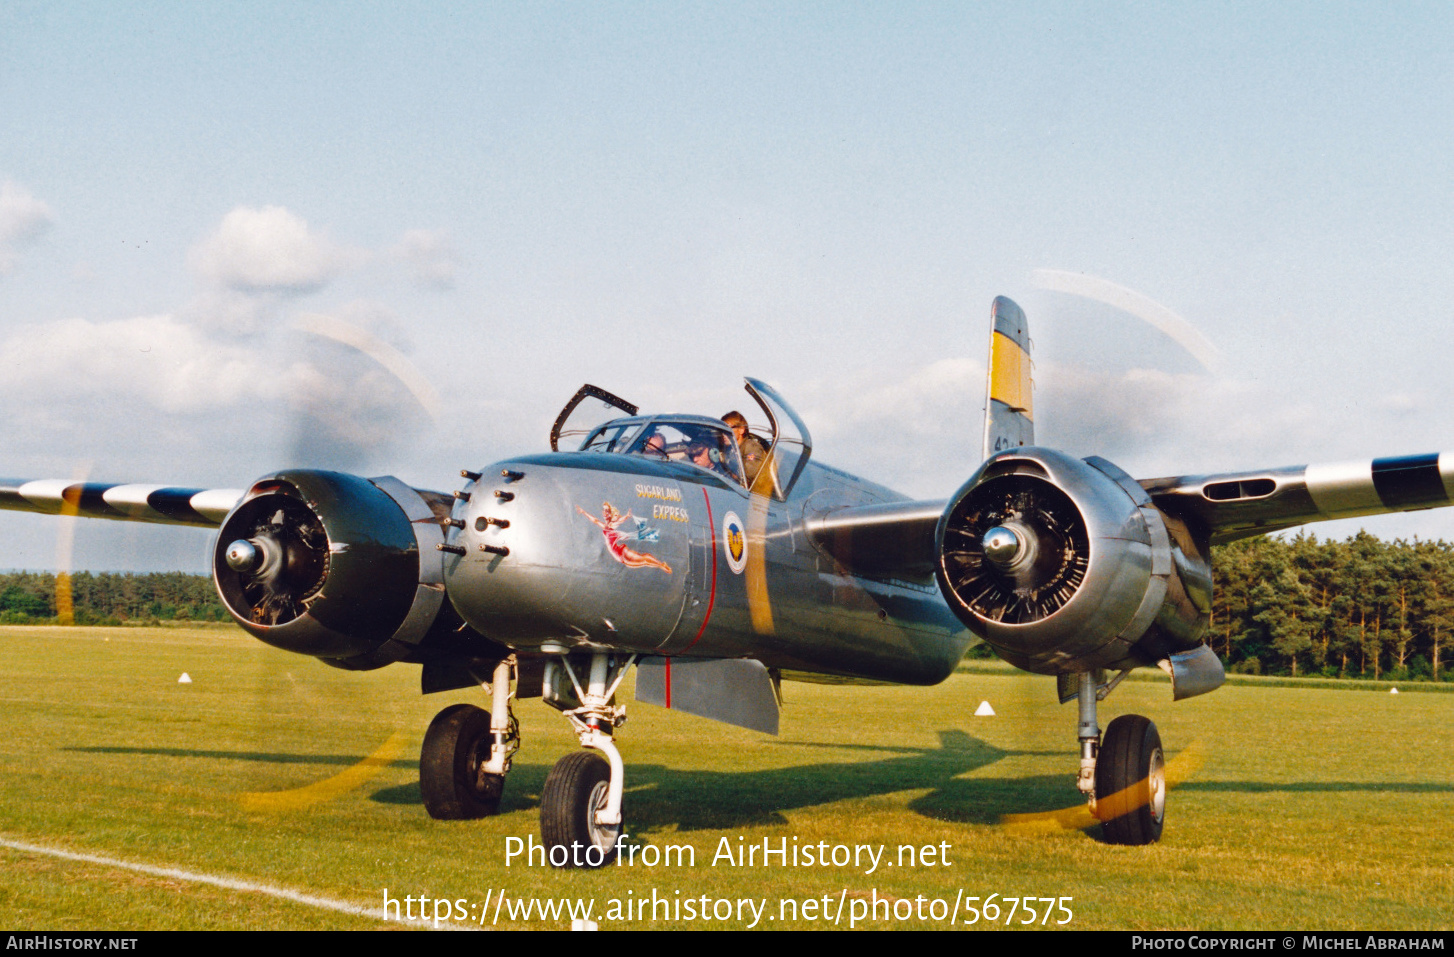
[
  {"x": 333, "y": 565},
  {"x": 1066, "y": 566}
]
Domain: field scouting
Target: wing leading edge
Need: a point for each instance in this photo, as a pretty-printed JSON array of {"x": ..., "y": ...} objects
[
  {"x": 897, "y": 539},
  {"x": 1237, "y": 505},
  {"x": 158, "y": 504}
]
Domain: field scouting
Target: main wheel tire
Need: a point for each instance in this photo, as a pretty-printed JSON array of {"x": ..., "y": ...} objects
[
  {"x": 1131, "y": 782},
  {"x": 456, "y": 748},
  {"x": 575, "y": 790}
]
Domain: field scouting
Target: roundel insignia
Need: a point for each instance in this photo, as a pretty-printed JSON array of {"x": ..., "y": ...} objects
[{"x": 734, "y": 542}]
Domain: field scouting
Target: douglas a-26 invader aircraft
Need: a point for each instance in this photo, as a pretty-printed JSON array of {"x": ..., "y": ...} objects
[{"x": 655, "y": 544}]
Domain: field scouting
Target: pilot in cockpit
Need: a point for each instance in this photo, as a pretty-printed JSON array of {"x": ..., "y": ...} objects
[
  {"x": 702, "y": 453},
  {"x": 705, "y": 447}
]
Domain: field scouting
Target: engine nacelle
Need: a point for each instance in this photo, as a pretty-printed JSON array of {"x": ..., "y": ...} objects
[
  {"x": 332, "y": 565},
  {"x": 1064, "y": 565}
]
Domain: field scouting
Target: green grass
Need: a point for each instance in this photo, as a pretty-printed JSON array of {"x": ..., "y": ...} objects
[{"x": 1310, "y": 808}]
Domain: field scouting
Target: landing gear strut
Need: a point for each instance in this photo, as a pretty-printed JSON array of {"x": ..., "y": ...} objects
[
  {"x": 580, "y": 807},
  {"x": 467, "y": 753},
  {"x": 1122, "y": 776}
]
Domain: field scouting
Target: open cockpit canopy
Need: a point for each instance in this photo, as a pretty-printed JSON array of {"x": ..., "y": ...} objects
[
  {"x": 689, "y": 439},
  {"x": 696, "y": 440}
]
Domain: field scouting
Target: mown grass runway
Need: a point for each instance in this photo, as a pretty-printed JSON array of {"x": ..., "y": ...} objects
[{"x": 1316, "y": 808}]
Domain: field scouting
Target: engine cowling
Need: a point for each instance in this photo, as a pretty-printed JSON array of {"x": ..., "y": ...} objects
[
  {"x": 332, "y": 565},
  {"x": 1064, "y": 565}
]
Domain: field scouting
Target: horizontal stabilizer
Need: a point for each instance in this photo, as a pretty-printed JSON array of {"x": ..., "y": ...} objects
[
  {"x": 735, "y": 691},
  {"x": 1241, "y": 504}
]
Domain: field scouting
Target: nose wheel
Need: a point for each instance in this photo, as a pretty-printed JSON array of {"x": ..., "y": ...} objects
[{"x": 576, "y": 791}]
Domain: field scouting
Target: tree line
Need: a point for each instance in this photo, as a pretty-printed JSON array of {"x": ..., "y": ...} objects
[
  {"x": 1361, "y": 607},
  {"x": 108, "y": 598}
]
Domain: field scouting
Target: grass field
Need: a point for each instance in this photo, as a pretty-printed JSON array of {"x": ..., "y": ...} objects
[{"x": 1296, "y": 809}]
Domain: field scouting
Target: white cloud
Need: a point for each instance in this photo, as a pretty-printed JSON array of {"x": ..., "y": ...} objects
[
  {"x": 140, "y": 386},
  {"x": 429, "y": 255},
  {"x": 164, "y": 363},
  {"x": 22, "y": 219},
  {"x": 376, "y": 318},
  {"x": 234, "y": 311},
  {"x": 921, "y": 432},
  {"x": 918, "y": 433},
  {"x": 269, "y": 250},
  {"x": 918, "y": 404}
]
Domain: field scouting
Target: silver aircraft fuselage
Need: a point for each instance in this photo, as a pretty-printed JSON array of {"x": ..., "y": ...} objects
[{"x": 712, "y": 572}]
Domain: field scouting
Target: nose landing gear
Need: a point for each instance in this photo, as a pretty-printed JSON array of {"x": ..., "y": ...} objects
[
  {"x": 577, "y": 792},
  {"x": 580, "y": 807}
]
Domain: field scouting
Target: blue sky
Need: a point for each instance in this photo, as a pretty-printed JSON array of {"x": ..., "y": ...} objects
[{"x": 662, "y": 198}]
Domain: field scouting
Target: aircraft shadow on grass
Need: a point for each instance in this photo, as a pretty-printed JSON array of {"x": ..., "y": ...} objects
[
  {"x": 661, "y": 797},
  {"x": 688, "y": 800},
  {"x": 265, "y": 757}
]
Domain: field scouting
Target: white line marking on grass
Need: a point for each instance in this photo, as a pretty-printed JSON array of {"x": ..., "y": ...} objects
[{"x": 228, "y": 883}]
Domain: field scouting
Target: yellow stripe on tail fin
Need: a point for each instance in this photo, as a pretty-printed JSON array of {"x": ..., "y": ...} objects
[{"x": 1009, "y": 420}]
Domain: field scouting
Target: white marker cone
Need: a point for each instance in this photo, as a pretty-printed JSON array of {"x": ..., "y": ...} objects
[
  {"x": 984, "y": 710},
  {"x": 186, "y": 679},
  {"x": 1393, "y": 691}
]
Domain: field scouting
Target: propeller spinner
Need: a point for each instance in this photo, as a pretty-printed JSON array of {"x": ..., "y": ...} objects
[
  {"x": 281, "y": 563},
  {"x": 1015, "y": 549}
]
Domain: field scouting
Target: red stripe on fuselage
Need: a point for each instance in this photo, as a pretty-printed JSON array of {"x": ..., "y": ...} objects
[
  {"x": 668, "y": 684},
  {"x": 712, "y": 595}
]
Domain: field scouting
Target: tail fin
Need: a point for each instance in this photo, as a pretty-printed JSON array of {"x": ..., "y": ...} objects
[{"x": 1009, "y": 415}]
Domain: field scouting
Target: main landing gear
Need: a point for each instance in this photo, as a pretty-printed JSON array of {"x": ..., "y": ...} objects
[
  {"x": 467, "y": 753},
  {"x": 1123, "y": 775}
]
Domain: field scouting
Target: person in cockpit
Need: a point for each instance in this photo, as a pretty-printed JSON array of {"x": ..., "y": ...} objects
[
  {"x": 702, "y": 454},
  {"x": 754, "y": 450}
]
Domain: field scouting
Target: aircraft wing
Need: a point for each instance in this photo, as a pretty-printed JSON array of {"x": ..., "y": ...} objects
[
  {"x": 160, "y": 504},
  {"x": 1237, "y": 505},
  {"x": 897, "y": 539}
]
